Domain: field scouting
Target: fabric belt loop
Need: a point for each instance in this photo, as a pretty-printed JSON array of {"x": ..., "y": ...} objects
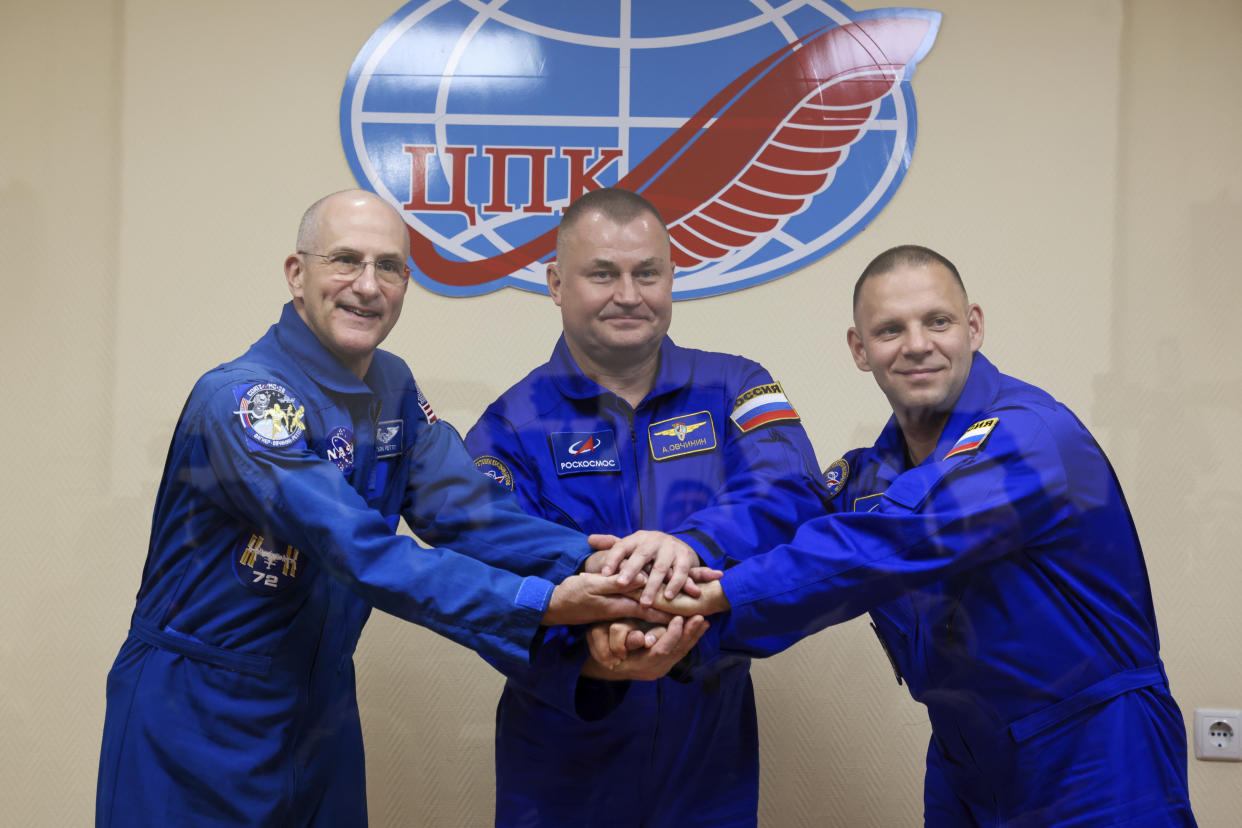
[
  {"x": 251, "y": 665},
  {"x": 1103, "y": 690}
]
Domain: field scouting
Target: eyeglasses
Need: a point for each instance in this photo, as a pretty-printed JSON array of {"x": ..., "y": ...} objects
[{"x": 348, "y": 265}]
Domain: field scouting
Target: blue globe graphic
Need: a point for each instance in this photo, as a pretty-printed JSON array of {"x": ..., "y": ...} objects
[{"x": 501, "y": 95}]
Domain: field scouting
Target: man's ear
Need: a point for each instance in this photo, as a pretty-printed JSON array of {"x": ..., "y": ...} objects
[
  {"x": 857, "y": 350},
  {"x": 554, "y": 282},
  {"x": 295, "y": 274},
  {"x": 974, "y": 320}
]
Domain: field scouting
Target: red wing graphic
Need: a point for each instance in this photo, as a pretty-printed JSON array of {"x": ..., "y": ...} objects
[{"x": 754, "y": 155}]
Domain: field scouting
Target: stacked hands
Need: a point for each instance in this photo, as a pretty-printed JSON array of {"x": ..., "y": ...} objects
[{"x": 653, "y": 594}]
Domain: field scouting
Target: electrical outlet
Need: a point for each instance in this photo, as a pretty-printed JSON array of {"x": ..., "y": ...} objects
[{"x": 1218, "y": 735}]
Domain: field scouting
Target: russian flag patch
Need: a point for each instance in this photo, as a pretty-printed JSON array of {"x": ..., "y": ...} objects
[
  {"x": 974, "y": 438},
  {"x": 761, "y": 405}
]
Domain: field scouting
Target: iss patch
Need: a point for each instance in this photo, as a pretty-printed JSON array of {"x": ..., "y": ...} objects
[
  {"x": 495, "y": 468},
  {"x": 270, "y": 415},
  {"x": 265, "y": 567},
  {"x": 686, "y": 434}
]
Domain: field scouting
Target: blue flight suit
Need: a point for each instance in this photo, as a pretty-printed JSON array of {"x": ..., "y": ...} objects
[
  {"x": 572, "y": 750},
  {"x": 1005, "y": 580},
  {"x": 232, "y": 700}
]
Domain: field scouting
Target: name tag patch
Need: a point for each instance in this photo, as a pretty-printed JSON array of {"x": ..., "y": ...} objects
[
  {"x": 388, "y": 438},
  {"x": 676, "y": 436},
  {"x": 577, "y": 452}
]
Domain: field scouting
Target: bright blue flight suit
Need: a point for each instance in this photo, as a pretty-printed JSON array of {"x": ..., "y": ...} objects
[
  {"x": 574, "y": 751},
  {"x": 232, "y": 700},
  {"x": 1006, "y": 582}
]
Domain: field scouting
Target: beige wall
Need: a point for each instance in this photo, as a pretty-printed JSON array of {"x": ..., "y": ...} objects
[{"x": 1077, "y": 158}]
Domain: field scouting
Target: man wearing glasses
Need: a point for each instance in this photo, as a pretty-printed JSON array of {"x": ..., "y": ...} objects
[{"x": 232, "y": 700}]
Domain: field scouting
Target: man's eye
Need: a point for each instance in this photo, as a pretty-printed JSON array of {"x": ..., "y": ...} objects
[
  {"x": 388, "y": 266},
  {"x": 348, "y": 259}
]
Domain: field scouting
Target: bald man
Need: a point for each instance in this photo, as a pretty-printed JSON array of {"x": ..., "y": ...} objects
[{"x": 232, "y": 700}]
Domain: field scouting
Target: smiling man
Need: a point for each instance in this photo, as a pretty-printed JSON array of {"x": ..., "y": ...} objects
[
  {"x": 232, "y": 700},
  {"x": 989, "y": 538},
  {"x": 704, "y": 457}
]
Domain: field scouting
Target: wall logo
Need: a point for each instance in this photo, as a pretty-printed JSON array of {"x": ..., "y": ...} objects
[{"x": 766, "y": 135}]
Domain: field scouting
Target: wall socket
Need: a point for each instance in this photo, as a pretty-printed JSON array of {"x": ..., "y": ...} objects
[{"x": 1218, "y": 735}]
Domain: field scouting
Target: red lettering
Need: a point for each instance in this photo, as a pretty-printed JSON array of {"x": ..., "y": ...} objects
[
  {"x": 419, "y": 155},
  {"x": 583, "y": 180},
  {"x": 500, "y": 175}
]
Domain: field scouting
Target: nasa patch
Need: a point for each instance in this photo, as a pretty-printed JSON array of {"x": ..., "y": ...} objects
[
  {"x": 835, "y": 476},
  {"x": 340, "y": 448},
  {"x": 766, "y": 134},
  {"x": 265, "y": 567},
  {"x": 269, "y": 414},
  {"x": 677, "y": 436},
  {"x": 389, "y": 438},
  {"x": 576, "y": 452},
  {"x": 495, "y": 468}
]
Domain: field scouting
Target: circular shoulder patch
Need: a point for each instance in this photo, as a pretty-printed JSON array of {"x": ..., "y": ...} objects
[
  {"x": 270, "y": 415},
  {"x": 495, "y": 468},
  {"x": 835, "y": 476}
]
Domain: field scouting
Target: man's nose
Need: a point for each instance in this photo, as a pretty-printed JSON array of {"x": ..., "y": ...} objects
[
  {"x": 626, "y": 291},
  {"x": 366, "y": 283}
]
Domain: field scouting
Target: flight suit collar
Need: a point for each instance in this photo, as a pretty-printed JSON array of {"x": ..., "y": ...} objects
[
  {"x": 976, "y": 397},
  {"x": 674, "y": 372},
  {"x": 320, "y": 364}
]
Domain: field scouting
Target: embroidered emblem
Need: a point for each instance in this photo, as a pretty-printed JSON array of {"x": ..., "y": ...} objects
[
  {"x": 264, "y": 569},
  {"x": 835, "y": 476},
  {"x": 974, "y": 438},
  {"x": 681, "y": 435},
  {"x": 269, "y": 414},
  {"x": 495, "y": 468},
  {"x": 577, "y": 452},
  {"x": 761, "y": 405},
  {"x": 389, "y": 440},
  {"x": 341, "y": 448}
]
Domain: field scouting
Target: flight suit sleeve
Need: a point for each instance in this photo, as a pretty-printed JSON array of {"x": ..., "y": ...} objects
[
  {"x": 290, "y": 492},
  {"x": 553, "y": 673},
  {"x": 934, "y": 521},
  {"x": 448, "y": 501},
  {"x": 772, "y": 483},
  {"x": 772, "y": 486}
]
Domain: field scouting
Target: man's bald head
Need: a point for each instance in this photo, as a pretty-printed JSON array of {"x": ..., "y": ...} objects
[{"x": 312, "y": 220}]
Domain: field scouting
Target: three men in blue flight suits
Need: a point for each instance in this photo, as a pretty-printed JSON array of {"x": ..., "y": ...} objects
[
  {"x": 622, "y": 431},
  {"x": 232, "y": 700},
  {"x": 987, "y": 534}
]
